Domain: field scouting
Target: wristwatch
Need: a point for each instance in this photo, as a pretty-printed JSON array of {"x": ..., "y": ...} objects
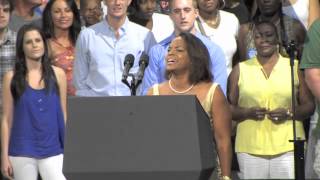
[{"x": 226, "y": 178}]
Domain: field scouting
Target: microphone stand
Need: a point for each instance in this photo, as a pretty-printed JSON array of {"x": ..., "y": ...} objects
[
  {"x": 132, "y": 85},
  {"x": 297, "y": 141},
  {"x": 137, "y": 82}
]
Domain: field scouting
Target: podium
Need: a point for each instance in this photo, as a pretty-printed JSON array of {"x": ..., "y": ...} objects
[{"x": 138, "y": 138}]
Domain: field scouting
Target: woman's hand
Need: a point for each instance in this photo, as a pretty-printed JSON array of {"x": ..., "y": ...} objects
[
  {"x": 6, "y": 168},
  {"x": 256, "y": 113},
  {"x": 279, "y": 115}
]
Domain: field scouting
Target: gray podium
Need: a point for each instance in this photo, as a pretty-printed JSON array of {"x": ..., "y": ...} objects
[{"x": 138, "y": 138}]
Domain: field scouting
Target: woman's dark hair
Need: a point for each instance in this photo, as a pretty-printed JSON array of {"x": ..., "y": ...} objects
[
  {"x": 271, "y": 24},
  {"x": 199, "y": 59},
  {"x": 134, "y": 13},
  {"x": 19, "y": 81},
  {"x": 221, "y": 4},
  {"x": 47, "y": 21},
  {"x": 134, "y": 7}
]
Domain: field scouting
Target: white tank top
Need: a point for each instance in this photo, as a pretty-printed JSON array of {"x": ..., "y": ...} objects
[{"x": 299, "y": 10}]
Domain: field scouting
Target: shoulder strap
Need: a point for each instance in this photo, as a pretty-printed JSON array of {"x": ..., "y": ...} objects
[
  {"x": 201, "y": 27},
  {"x": 155, "y": 89},
  {"x": 211, "y": 92}
]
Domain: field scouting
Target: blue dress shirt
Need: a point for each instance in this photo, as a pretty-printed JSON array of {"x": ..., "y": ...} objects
[
  {"x": 100, "y": 55},
  {"x": 155, "y": 73}
]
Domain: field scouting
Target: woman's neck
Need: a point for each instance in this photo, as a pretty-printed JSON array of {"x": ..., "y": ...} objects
[
  {"x": 61, "y": 34},
  {"x": 33, "y": 65},
  {"x": 264, "y": 60},
  {"x": 34, "y": 73},
  {"x": 62, "y": 37},
  {"x": 180, "y": 82},
  {"x": 209, "y": 16},
  {"x": 211, "y": 19},
  {"x": 274, "y": 18}
]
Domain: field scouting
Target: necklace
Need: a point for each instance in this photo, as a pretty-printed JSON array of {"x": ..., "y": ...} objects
[
  {"x": 179, "y": 92},
  {"x": 61, "y": 45},
  {"x": 214, "y": 24}
]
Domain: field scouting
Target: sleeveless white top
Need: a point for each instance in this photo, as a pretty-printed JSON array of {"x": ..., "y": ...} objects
[
  {"x": 225, "y": 35},
  {"x": 299, "y": 11}
]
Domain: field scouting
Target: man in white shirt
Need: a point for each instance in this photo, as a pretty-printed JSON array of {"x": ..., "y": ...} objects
[{"x": 101, "y": 50}]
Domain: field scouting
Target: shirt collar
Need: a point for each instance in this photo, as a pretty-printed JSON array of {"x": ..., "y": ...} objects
[
  {"x": 168, "y": 40},
  {"x": 281, "y": 60},
  {"x": 124, "y": 27},
  {"x": 9, "y": 36}
]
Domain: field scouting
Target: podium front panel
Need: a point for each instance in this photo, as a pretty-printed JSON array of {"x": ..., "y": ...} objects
[{"x": 163, "y": 137}]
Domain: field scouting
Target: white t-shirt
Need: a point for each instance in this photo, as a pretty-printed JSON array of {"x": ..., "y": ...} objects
[
  {"x": 225, "y": 35},
  {"x": 299, "y": 11},
  {"x": 162, "y": 26}
]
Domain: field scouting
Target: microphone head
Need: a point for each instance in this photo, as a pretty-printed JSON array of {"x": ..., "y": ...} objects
[
  {"x": 144, "y": 59},
  {"x": 129, "y": 59}
]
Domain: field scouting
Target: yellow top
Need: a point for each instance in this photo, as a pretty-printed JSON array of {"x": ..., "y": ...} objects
[
  {"x": 206, "y": 103},
  {"x": 257, "y": 90}
]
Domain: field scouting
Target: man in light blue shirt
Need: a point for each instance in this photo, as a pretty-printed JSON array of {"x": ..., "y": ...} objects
[
  {"x": 101, "y": 50},
  {"x": 183, "y": 14}
]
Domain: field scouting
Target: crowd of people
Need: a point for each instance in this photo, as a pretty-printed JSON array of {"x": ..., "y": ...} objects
[{"x": 233, "y": 55}]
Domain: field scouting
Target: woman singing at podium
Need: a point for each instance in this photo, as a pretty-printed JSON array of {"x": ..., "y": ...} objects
[
  {"x": 187, "y": 71},
  {"x": 34, "y": 112}
]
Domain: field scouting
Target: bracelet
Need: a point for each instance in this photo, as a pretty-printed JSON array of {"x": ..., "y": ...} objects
[{"x": 226, "y": 178}]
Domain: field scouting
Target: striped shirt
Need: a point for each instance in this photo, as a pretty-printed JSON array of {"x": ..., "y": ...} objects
[{"x": 7, "y": 55}]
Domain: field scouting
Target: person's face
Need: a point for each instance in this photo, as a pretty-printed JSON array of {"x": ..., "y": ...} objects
[
  {"x": 92, "y": 12},
  {"x": 208, "y": 6},
  {"x": 147, "y": 8},
  {"x": 183, "y": 15},
  {"x": 4, "y": 16},
  {"x": 177, "y": 58},
  {"x": 33, "y": 45},
  {"x": 62, "y": 15},
  {"x": 268, "y": 7},
  {"x": 265, "y": 40},
  {"x": 164, "y": 4},
  {"x": 117, "y": 8}
]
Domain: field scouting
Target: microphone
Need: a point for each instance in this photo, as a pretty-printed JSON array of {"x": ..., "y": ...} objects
[
  {"x": 128, "y": 63},
  {"x": 143, "y": 63},
  {"x": 291, "y": 49}
]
